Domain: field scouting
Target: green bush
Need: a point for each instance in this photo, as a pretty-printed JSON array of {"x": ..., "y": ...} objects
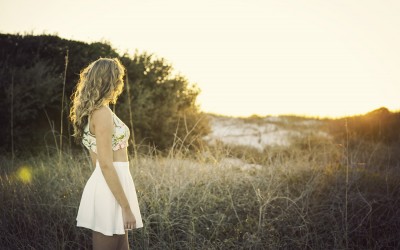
[
  {"x": 379, "y": 125},
  {"x": 162, "y": 105}
]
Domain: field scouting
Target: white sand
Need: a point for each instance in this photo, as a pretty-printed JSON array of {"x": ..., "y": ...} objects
[{"x": 235, "y": 131}]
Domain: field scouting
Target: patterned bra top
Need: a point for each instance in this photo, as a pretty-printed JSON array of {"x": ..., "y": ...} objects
[{"x": 119, "y": 138}]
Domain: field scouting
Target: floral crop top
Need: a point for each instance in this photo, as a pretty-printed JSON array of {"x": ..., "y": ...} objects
[{"x": 119, "y": 138}]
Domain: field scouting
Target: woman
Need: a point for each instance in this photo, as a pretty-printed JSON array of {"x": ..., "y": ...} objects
[{"x": 109, "y": 204}]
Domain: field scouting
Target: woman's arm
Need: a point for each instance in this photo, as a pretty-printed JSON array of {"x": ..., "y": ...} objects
[{"x": 103, "y": 129}]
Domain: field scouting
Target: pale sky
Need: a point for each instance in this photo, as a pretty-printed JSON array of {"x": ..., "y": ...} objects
[{"x": 305, "y": 57}]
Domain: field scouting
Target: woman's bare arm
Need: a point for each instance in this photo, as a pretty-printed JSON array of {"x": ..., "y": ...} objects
[{"x": 103, "y": 129}]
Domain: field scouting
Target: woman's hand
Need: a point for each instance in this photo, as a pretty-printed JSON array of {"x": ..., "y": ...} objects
[{"x": 128, "y": 218}]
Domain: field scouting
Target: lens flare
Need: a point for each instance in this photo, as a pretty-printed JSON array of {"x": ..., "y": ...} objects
[{"x": 24, "y": 174}]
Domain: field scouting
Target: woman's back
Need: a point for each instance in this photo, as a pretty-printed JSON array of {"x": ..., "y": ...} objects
[{"x": 119, "y": 140}]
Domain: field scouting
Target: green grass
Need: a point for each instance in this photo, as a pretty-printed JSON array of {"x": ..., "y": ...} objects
[{"x": 295, "y": 201}]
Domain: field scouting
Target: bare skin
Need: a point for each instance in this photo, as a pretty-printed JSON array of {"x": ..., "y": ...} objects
[
  {"x": 101, "y": 241},
  {"x": 102, "y": 126}
]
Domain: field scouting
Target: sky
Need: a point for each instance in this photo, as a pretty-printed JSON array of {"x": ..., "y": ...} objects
[{"x": 265, "y": 57}]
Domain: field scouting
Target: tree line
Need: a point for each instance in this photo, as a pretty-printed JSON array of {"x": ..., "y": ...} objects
[{"x": 160, "y": 107}]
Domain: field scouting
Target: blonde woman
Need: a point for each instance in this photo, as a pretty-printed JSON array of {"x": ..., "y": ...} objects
[{"x": 109, "y": 204}]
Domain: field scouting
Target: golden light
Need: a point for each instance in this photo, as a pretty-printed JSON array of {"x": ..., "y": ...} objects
[
  {"x": 24, "y": 174},
  {"x": 318, "y": 58}
]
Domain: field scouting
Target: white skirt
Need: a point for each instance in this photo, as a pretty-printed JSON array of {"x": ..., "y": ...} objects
[{"x": 99, "y": 210}]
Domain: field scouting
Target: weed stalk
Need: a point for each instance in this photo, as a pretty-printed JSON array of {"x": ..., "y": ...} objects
[
  {"x": 128, "y": 91},
  {"x": 347, "y": 185},
  {"x": 12, "y": 120},
  {"x": 62, "y": 109}
]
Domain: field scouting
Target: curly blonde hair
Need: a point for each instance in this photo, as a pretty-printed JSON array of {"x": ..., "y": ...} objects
[{"x": 100, "y": 83}]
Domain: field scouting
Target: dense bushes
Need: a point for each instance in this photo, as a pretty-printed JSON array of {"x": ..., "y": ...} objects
[
  {"x": 163, "y": 106},
  {"x": 379, "y": 125},
  {"x": 375, "y": 136},
  {"x": 31, "y": 84}
]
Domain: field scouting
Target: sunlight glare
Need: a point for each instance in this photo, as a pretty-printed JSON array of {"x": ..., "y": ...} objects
[
  {"x": 24, "y": 174},
  {"x": 324, "y": 58}
]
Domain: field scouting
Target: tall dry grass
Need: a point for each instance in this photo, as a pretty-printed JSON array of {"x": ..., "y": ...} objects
[
  {"x": 312, "y": 195},
  {"x": 297, "y": 200}
]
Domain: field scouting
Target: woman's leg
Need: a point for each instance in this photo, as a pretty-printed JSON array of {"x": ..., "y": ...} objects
[
  {"x": 123, "y": 242},
  {"x": 117, "y": 241}
]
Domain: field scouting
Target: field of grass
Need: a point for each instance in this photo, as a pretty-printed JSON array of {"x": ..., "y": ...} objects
[{"x": 314, "y": 194}]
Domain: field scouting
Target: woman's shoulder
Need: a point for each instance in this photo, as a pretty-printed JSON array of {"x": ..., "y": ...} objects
[{"x": 102, "y": 114}]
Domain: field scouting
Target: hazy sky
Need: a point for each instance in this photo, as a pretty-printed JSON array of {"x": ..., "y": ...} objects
[{"x": 324, "y": 58}]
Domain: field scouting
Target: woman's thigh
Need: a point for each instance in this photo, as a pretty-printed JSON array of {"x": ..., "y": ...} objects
[{"x": 117, "y": 241}]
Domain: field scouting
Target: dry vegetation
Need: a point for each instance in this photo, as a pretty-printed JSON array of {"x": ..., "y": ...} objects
[
  {"x": 314, "y": 194},
  {"x": 317, "y": 193}
]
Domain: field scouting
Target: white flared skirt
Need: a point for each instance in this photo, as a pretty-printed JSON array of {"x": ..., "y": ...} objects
[{"x": 99, "y": 210}]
